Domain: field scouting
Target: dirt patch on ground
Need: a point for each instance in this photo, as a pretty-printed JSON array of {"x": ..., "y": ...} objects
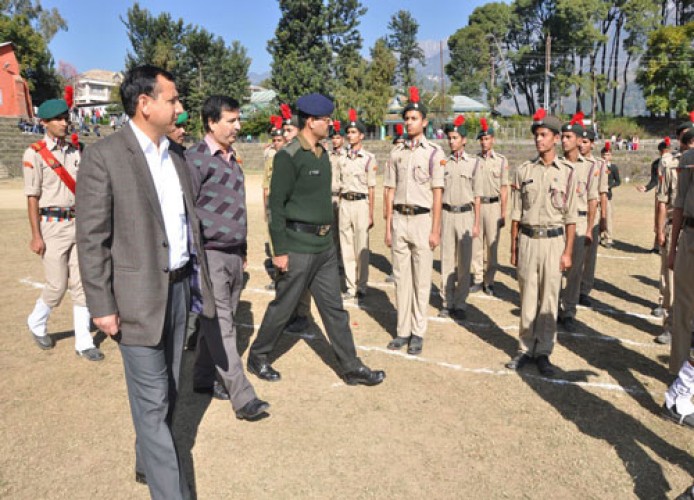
[{"x": 453, "y": 423}]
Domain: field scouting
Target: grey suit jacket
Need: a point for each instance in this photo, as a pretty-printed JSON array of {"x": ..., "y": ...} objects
[{"x": 121, "y": 240}]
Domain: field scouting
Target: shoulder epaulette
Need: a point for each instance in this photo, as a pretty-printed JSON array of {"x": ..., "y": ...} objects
[
  {"x": 292, "y": 148},
  {"x": 38, "y": 145}
]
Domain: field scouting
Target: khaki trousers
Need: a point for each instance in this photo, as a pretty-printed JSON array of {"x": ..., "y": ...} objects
[
  {"x": 413, "y": 260},
  {"x": 590, "y": 260},
  {"x": 539, "y": 280},
  {"x": 488, "y": 240},
  {"x": 456, "y": 256},
  {"x": 60, "y": 264},
  {"x": 683, "y": 301},
  {"x": 609, "y": 230},
  {"x": 354, "y": 243},
  {"x": 572, "y": 286},
  {"x": 666, "y": 281}
]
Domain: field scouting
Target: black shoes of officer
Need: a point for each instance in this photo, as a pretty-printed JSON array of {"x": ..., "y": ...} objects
[
  {"x": 569, "y": 324},
  {"x": 544, "y": 366},
  {"x": 255, "y": 409},
  {"x": 415, "y": 346},
  {"x": 489, "y": 290},
  {"x": 217, "y": 391},
  {"x": 91, "y": 354},
  {"x": 519, "y": 362},
  {"x": 364, "y": 376},
  {"x": 584, "y": 300},
  {"x": 671, "y": 414},
  {"x": 398, "y": 343},
  {"x": 45, "y": 342},
  {"x": 262, "y": 369}
]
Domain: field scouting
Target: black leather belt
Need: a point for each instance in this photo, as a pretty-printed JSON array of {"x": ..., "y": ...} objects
[
  {"x": 457, "y": 209},
  {"x": 582, "y": 213},
  {"x": 57, "y": 213},
  {"x": 489, "y": 199},
  {"x": 688, "y": 222},
  {"x": 179, "y": 274},
  {"x": 353, "y": 196},
  {"x": 302, "y": 227},
  {"x": 542, "y": 232},
  {"x": 411, "y": 210}
]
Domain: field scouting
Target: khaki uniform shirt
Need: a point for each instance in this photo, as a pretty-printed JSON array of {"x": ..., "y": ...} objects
[
  {"x": 684, "y": 198},
  {"x": 603, "y": 178},
  {"x": 357, "y": 172},
  {"x": 544, "y": 195},
  {"x": 459, "y": 179},
  {"x": 585, "y": 171},
  {"x": 667, "y": 180},
  {"x": 335, "y": 157},
  {"x": 40, "y": 180},
  {"x": 492, "y": 172},
  {"x": 414, "y": 171},
  {"x": 268, "y": 157}
]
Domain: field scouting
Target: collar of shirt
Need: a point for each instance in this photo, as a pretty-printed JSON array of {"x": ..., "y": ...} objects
[
  {"x": 555, "y": 162},
  {"x": 461, "y": 155},
  {"x": 146, "y": 143},
  {"x": 489, "y": 154},
  {"x": 53, "y": 144},
  {"x": 412, "y": 144},
  {"x": 317, "y": 149},
  {"x": 353, "y": 153},
  {"x": 216, "y": 148}
]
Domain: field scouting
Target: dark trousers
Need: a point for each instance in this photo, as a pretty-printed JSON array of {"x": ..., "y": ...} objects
[
  {"x": 318, "y": 273},
  {"x": 151, "y": 375},
  {"x": 216, "y": 350}
]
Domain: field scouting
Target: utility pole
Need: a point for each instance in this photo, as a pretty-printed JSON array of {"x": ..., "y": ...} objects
[
  {"x": 548, "y": 57},
  {"x": 443, "y": 84}
]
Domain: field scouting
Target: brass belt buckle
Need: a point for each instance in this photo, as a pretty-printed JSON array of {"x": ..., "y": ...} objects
[
  {"x": 541, "y": 233},
  {"x": 409, "y": 210},
  {"x": 323, "y": 230}
]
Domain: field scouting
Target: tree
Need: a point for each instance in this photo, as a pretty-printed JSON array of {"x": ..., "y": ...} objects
[
  {"x": 299, "y": 50},
  {"x": 668, "y": 57},
  {"x": 46, "y": 22},
  {"x": 403, "y": 40},
  {"x": 471, "y": 60},
  {"x": 379, "y": 81},
  {"x": 343, "y": 36}
]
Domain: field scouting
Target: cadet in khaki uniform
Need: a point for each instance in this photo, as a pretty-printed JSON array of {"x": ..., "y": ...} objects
[
  {"x": 414, "y": 230},
  {"x": 357, "y": 175},
  {"x": 542, "y": 235},
  {"x": 665, "y": 196},
  {"x": 586, "y": 174},
  {"x": 50, "y": 170},
  {"x": 459, "y": 222},
  {"x": 678, "y": 399},
  {"x": 337, "y": 137},
  {"x": 591, "y": 254},
  {"x": 492, "y": 168}
]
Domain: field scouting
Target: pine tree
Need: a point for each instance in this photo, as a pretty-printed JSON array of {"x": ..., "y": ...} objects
[{"x": 403, "y": 40}]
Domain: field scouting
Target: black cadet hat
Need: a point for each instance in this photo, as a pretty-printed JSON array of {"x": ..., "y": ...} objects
[
  {"x": 485, "y": 129},
  {"x": 458, "y": 125},
  {"x": 575, "y": 125},
  {"x": 354, "y": 122},
  {"x": 540, "y": 119},
  {"x": 414, "y": 103},
  {"x": 315, "y": 105}
]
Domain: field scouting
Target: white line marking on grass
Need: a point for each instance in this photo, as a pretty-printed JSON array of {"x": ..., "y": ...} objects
[
  {"x": 620, "y": 257},
  {"x": 33, "y": 284},
  {"x": 491, "y": 371}
]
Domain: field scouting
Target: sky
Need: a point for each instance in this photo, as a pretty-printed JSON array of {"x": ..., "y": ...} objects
[{"x": 96, "y": 38}]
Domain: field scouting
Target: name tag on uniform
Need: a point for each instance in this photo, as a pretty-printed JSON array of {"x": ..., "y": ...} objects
[{"x": 314, "y": 172}]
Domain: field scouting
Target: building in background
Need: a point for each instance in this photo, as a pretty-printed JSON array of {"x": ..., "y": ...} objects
[{"x": 15, "y": 98}]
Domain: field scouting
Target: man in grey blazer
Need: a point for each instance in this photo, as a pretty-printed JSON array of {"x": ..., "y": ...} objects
[{"x": 136, "y": 235}]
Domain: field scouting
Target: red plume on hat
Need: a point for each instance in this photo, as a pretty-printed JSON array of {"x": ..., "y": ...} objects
[
  {"x": 352, "y": 115},
  {"x": 398, "y": 129},
  {"x": 484, "y": 125},
  {"x": 75, "y": 140},
  {"x": 608, "y": 146},
  {"x": 276, "y": 121},
  {"x": 667, "y": 141},
  {"x": 286, "y": 111},
  {"x": 539, "y": 115},
  {"x": 459, "y": 120},
  {"x": 414, "y": 95},
  {"x": 336, "y": 126},
  {"x": 577, "y": 119},
  {"x": 69, "y": 96}
]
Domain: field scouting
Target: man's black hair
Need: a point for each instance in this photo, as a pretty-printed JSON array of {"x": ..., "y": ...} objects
[
  {"x": 214, "y": 105},
  {"x": 138, "y": 81}
]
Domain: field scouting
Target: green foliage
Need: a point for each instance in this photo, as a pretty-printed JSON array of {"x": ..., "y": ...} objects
[
  {"x": 403, "y": 40},
  {"x": 667, "y": 74},
  {"x": 46, "y": 22},
  {"x": 201, "y": 62},
  {"x": 469, "y": 67},
  {"x": 257, "y": 124},
  {"x": 34, "y": 58},
  {"x": 620, "y": 125}
]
